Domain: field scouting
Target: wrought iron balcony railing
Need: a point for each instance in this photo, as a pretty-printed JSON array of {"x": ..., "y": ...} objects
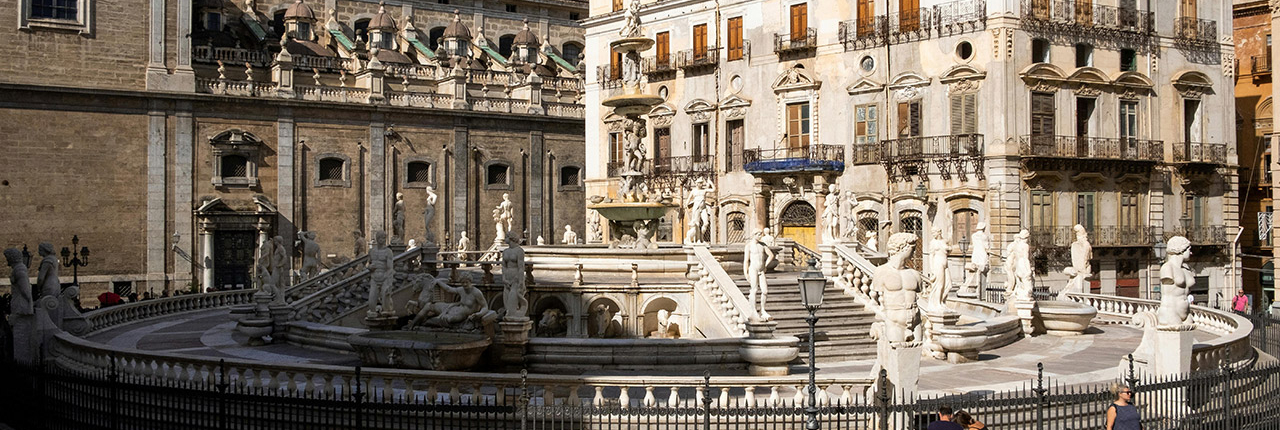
[
  {"x": 947, "y": 19},
  {"x": 1260, "y": 64},
  {"x": 797, "y": 159},
  {"x": 695, "y": 58},
  {"x": 656, "y": 65},
  {"x": 1187, "y": 29},
  {"x": 1204, "y": 235},
  {"x": 1200, "y": 153},
  {"x": 684, "y": 164},
  {"x": 614, "y": 168},
  {"x": 1086, "y": 16},
  {"x": 784, "y": 43},
  {"x": 739, "y": 52},
  {"x": 1099, "y": 236},
  {"x": 609, "y": 76},
  {"x": 915, "y": 148},
  {"x": 1085, "y": 147}
]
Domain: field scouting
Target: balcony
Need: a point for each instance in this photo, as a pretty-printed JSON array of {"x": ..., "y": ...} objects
[
  {"x": 1195, "y": 34},
  {"x": 1200, "y": 235},
  {"x": 794, "y": 42},
  {"x": 1185, "y": 153},
  {"x": 657, "y": 65},
  {"x": 1085, "y": 18},
  {"x": 691, "y": 59},
  {"x": 233, "y": 56},
  {"x": 682, "y": 170},
  {"x": 739, "y": 53},
  {"x": 904, "y": 158},
  {"x": 1099, "y": 236},
  {"x": 1260, "y": 65},
  {"x": 609, "y": 76},
  {"x": 1091, "y": 148},
  {"x": 947, "y": 19},
  {"x": 811, "y": 158}
]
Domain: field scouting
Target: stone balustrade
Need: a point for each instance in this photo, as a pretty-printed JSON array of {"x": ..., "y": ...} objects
[
  {"x": 127, "y": 313},
  {"x": 851, "y": 273},
  {"x": 445, "y": 387},
  {"x": 714, "y": 286},
  {"x": 327, "y": 278},
  {"x": 1231, "y": 346}
]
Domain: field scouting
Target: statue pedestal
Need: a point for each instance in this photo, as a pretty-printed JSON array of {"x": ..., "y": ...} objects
[
  {"x": 767, "y": 354},
  {"x": 380, "y": 322},
  {"x": 24, "y": 338},
  {"x": 902, "y": 365},
  {"x": 257, "y": 329},
  {"x": 279, "y": 317},
  {"x": 1174, "y": 357},
  {"x": 830, "y": 262},
  {"x": 1026, "y": 310},
  {"x": 936, "y": 320},
  {"x": 515, "y": 337}
]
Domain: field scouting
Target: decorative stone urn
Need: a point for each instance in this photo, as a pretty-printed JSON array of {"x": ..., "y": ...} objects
[
  {"x": 1063, "y": 318},
  {"x": 768, "y": 355},
  {"x": 961, "y": 343}
]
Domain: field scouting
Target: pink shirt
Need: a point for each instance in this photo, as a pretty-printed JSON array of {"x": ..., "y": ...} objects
[{"x": 1240, "y": 303}]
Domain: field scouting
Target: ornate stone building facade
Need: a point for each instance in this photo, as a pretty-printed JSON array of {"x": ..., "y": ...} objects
[
  {"x": 1252, "y": 33},
  {"x": 173, "y": 156},
  {"x": 1035, "y": 114}
]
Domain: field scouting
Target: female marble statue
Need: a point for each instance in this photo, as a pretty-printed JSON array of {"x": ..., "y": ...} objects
[
  {"x": 941, "y": 276},
  {"x": 513, "y": 296},
  {"x": 428, "y": 214},
  {"x": 831, "y": 213},
  {"x": 1176, "y": 280},
  {"x": 981, "y": 241},
  {"x": 397, "y": 220},
  {"x": 464, "y": 246},
  {"x": 1017, "y": 267},
  {"x": 1080, "y": 270}
]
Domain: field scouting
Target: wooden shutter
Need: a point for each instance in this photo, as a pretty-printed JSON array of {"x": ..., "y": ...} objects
[
  {"x": 1042, "y": 114},
  {"x": 866, "y": 17},
  {"x": 1189, "y": 9},
  {"x": 735, "y": 145},
  {"x": 735, "y": 38},
  {"x": 615, "y": 66},
  {"x": 663, "y": 147},
  {"x": 957, "y": 114},
  {"x": 915, "y": 119},
  {"x": 1084, "y": 12},
  {"x": 908, "y": 15},
  {"x": 700, "y": 41},
  {"x": 617, "y": 5},
  {"x": 799, "y": 21},
  {"x": 904, "y": 121},
  {"x": 664, "y": 47}
]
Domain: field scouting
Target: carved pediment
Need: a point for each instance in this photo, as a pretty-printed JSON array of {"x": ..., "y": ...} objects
[
  {"x": 795, "y": 78},
  {"x": 735, "y": 106},
  {"x": 864, "y": 86},
  {"x": 1090, "y": 76},
  {"x": 1192, "y": 84},
  {"x": 1088, "y": 180},
  {"x": 1042, "y": 71},
  {"x": 699, "y": 110},
  {"x": 235, "y": 138}
]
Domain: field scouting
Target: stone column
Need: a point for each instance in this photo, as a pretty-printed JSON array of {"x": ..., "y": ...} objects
[
  {"x": 182, "y": 191},
  {"x": 285, "y": 174},
  {"x": 206, "y": 256},
  {"x": 157, "y": 73},
  {"x": 157, "y": 241},
  {"x": 459, "y": 187},
  {"x": 760, "y": 204},
  {"x": 377, "y": 177},
  {"x": 537, "y": 189},
  {"x": 820, "y": 197}
]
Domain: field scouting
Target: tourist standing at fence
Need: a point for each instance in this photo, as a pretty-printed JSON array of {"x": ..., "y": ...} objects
[
  {"x": 968, "y": 422},
  {"x": 1122, "y": 414},
  {"x": 1240, "y": 303},
  {"x": 944, "y": 420}
]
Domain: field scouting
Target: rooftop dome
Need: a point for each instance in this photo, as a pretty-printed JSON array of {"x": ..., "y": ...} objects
[
  {"x": 382, "y": 20},
  {"x": 456, "y": 28},
  {"x": 526, "y": 37},
  {"x": 299, "y": 10}
]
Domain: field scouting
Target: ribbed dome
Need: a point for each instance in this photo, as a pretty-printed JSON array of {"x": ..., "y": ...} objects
[
  {"x": 456, "y": 28},
  {"x": 382, "y": 20},
  {"x": 526, "y": 37},
  {"x": 299, "y": 10}
]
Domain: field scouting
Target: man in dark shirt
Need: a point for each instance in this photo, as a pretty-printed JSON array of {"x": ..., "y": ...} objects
[{"x": 944, "y": 420}]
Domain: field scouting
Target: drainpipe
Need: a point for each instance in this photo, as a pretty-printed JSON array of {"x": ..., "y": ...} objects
[{"x": 1231, "y": 268}]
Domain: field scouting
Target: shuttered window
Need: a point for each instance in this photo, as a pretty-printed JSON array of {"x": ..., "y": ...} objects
[
  {"x": 1189, "y": 9},
  {"x": 909, "y": 119},
  {"x": 964, "y": 114},
  {"x": 617, "y": 5},
  {"x": 615, "y": 66},
  {"x": 799, "y": 21},
  {"x": 1086, "y": 209},
  {"x": 1042, "y": 114},
  {"x": 700, "y": 41},
  {"x": 866, "y": 17},
  {"x": 735, "y": 38},
  {"x": 1128, "y": 119},
  {"x": 1041, "y": 209},
  {"x": 664, "y": 47},
  {"x": 866, "y": 121},
  {"x": 1084, "y": 12},
  {"x": 736, "y": 141},
  {"x": 908, "y": 15},
  {"x": 1129, "y": 210},
  {"x": 797, "y": 125}
]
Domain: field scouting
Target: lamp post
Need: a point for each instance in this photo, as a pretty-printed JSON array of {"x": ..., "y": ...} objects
[
  {"x": 74, "y": 260},
  {"x": 812, "y": 283}
]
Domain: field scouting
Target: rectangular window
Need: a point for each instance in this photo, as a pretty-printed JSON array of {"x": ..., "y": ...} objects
[
  {"x": 735, "y": 38},
  {"x": 617, "y": 5},
  {"x": 615, "y": 154},
  {"x": 55, "y": 9},
  {"x": 213, "y": 21},
  {"x": 1191, "y": 120},
  {"x": 965, "y": 221},
  {"x": 908, "y": 15},
  {"x": 735, "y": 142},
  {"x": 661, "y": 143},
  {"x": 1041, "y": 209},
  {"x": 865, "y": 127},
  {"x": 615, "y": 66},
  {"x": 866, "y": 17},
  {"x": 1042, "y": 110},
  {"x": 1129, "y": 60},
  {"x": 1266, "y": 166},
  {"x": 799, "y": 21},
  {"x": 1084, "y": 115},
  {"x": 700, "y": 41},
  {"x": 1086, "y": 209},
  {"x": 701, "y": 141},
  {"x": 909, "y": 124},
  {"x": 1128, "y": 119},
  {"x": 1130, "y": 214},
  {"x": 1193, "y": 211},
  {"x": 511, "y": 8},
  {"x": 664, "y": 47},
  {"x": 798, "y": 126},
  {"x": 1084, "y": 13},
  {"x": 1188, "y": 9},
  {"x": 964, "y": 114}
]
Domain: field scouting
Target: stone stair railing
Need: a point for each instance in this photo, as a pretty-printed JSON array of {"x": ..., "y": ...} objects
[
  {"x": 386, "y": 385},
  {"x": 326, "y": 278},
  {"x": 137, "y": 311},
  {"x": 717, "y": 295},
  {"x": 851, "y": 272},
  {"x": 344, "y": 294},
  {"x": 1231, "y": 346}
]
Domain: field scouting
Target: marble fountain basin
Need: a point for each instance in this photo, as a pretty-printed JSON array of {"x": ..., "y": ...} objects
[
  {"x": 427, "y": 350},
  {"x": 1063, "y": 318},
  {"x": 635, "y": 211}
]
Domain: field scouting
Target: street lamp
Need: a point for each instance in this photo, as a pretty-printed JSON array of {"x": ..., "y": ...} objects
[
  {"x": 921, "y": 190},
  {"x": 73, "y": 259},
  {"x": 812, "y": 283}
]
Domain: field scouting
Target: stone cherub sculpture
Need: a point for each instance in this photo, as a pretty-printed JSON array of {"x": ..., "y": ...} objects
[
  {"x": 1017, "y": 268},
  {"x": 1080, "y": 270},
  {"x": 756, "y": 257},
  {"x": 570, "y": 237},
  {"x": 594, "y": 232},
  {"x": 513, "y": 295},
  {"x": 631, "y": 25},
  {"x": 310, "y": 254},
  {"x": 898, "y": 287},
  {"x": 381, "y": 278}
]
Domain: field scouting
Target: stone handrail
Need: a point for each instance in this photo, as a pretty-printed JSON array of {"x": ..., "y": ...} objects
[
  {"x": 383, "y": 384},
  {"x": 351, "y": 291},
  {"x": 852, "y": 273},
  {"x": 1231, "y": 345},
  {"x": 127, "y": 313},
  {"x": 326, "y": 278},
  {"x": 720, "y": 292}
]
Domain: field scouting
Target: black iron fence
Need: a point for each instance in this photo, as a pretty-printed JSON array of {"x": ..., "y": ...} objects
[
  {"x": 693, "y": 58},
  {"x": 1087, "y": 15},
  {"x": 1124, "y": 235}
]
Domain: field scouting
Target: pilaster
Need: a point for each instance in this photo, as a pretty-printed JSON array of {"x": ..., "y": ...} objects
[
  {"x": 184, "y": 75},
  {"x": 183, "y": 188},
  {"x": 537, "y": 186},
  {"x": 459, "y": 186},
  {"x": 156, "y": 182},
  {"x": 377, "y": 177},
  {"x": 285, "y": 175}
]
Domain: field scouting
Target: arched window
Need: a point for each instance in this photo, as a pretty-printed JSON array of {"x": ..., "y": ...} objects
[
  {"x": 912, "y": 221},
  {"x": 964, "y": 221},
  {"x": 331, "y": 169},
  {"x": 570, "y": 176},
  {"x": 570, "y": 51},
  {"x": 736, "y": 227},
  {"x": 362, "y": 29},
  {"x": 1040, "y": 50},
  {"x": 504, "y": 45},
  {"x": 433, "y": 37},
  {"x": 418, "y": 172},
  {"x": 235, "y": 166},
  {"x": 497, "y": 174}
]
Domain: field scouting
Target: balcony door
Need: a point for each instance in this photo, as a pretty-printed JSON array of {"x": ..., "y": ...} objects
[
  {"x": 909, "y": 128},
  {"x": 1084, "y": 12},
  {"x": 700, "y": 41},
  {"x": 798, "y": 221},
  {"x": 735, "y": 142},
  {"x": 866, "y": 17},
  {"x": 1188, "y": 9},
  {"x": 1086, "y": 210},
  {"x": 661, "y": 146},
  {"x": 799, "y": 22},
  {"x": 664, "y": 48},
  {"x": 1042, "y": 123},
  {"x": 908, "y": 15},
  {"x": 797, "y": 129}
]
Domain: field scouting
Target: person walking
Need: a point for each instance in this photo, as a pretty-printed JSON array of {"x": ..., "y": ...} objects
[
  {"x": 968, "y": 422},
  {"x": 944, "y": 420},
  {"x": 1122, "y": 414},
  {"x": 1240, "y": 303}
]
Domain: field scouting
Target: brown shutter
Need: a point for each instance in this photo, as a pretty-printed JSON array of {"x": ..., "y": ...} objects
[
  {"x": 735, "y": 38},
  {"x": 957, "y": 114},
  {"x": 866, "y": 16},
  {"x": 904, "y": 120},
  {"x": 699, "y": 40},
  {"x": 615, "y": 66},
  {"x": 664, "y": 47},
  {"x": 915, "y": 119},
  {"x": 1189, "y": 9},
  {"x": 799, "y": 21},
  {"x": 970, "y": 113}
]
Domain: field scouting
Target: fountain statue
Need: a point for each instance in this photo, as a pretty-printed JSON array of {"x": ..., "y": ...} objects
[
  {"x": 310, "y": 254},
  {"x": 831, "y": 213},
  {"x": 382, "y": 277},
  {"x": 1080, "y": 270},
  {"x": 939, "y": 274},
  {"x": 756, "y": 257},
  {"x": 1017, "y": 267},
  {"x": 979, "y": 262}
]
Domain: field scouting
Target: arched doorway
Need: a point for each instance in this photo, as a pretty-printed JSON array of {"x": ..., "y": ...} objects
[{"x": 797, "y": 223}]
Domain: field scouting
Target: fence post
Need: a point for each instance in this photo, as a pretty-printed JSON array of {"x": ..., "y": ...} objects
[
  {"x": 706, "y": 400},
  {"x": 359, "y": 398},
  {"x": 1132, "y": 379},
  {"x": 882, "y": 397},
  {"x": 114, "y": 380},
  {"x": 41, "y": 396},
  {"x": 1040, "y": 395},
  {"x": 523, "y": 399},
  {"x": 221, "y": 386},
  {"x": 1229, "y": 373}
]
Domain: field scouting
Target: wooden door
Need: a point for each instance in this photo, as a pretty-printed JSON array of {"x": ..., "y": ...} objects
[
  {"x": 699, "y": 41},
  {"x": 1042, "y": 125},
  {"x": 661, "y": 146},
  {"x": 799, "y": 21},
  {"x": 736, "y": 139},
  {"x": 798, "y": 223},
  {"x": 233, "y": 258}
]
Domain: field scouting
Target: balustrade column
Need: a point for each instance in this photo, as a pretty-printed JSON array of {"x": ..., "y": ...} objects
[
  {"x": 760, "y": 204},
  {"x": 530, "y": 90}
]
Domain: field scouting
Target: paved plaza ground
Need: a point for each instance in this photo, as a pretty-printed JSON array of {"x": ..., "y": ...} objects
[{"x": 1092, "y": 357}]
